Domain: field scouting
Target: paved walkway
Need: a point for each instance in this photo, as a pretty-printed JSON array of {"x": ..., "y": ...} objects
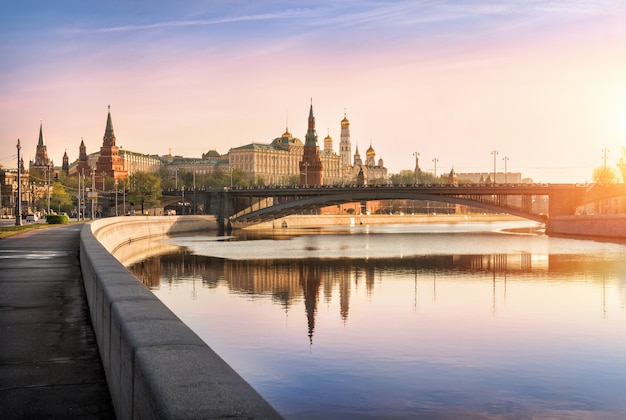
[{"x": 49, "y": 361}]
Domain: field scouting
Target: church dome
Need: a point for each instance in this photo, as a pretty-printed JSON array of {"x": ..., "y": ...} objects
[{"x": 370, "y": 152}]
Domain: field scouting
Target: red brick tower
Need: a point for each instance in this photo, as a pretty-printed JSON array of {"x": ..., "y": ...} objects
[
  {"x": 110, "y": 163},
  {"x": 311, "y": 164}
]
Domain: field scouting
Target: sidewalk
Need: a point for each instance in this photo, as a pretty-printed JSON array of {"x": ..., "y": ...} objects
[{"x": 49, "y": 361}]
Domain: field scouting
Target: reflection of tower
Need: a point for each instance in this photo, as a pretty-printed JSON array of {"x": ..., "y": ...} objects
[
  {"x": 310, "y": 282},
  {"x": 344, "y": 294},
  {"x": 311, "y": 163},
  {"x": 370, "y": 279}
]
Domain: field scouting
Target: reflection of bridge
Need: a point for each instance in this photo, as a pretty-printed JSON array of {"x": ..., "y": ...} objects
[{"x": 246, "y": 206}]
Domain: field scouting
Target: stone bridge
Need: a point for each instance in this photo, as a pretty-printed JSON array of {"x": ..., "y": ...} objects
[{"x": 244, "y": 206}]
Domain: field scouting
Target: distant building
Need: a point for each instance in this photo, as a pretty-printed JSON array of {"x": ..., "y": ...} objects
[
  {"x": 8, "y": 191},
  {"x": 487, "y": 178},
  {"x": 284, "y": 161}
]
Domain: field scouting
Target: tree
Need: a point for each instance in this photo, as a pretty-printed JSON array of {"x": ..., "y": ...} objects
[
  {"x": 405, "y": 176},
  {"x": 621, "y": 164},
  {"x": 145, "y": 188},
  {"x": 60, "y": 198},
  {"x": 604, "y": 175}
]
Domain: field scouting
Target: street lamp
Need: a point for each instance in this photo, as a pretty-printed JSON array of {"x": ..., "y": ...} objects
[
  {"x": 18, "y": 211},
  {"x": 417, "y": 167},
  {"x": 306, "y": 173},
  {"x": 505, "y": 159},
  {"x": 435, "y": 160},
  {"x": 48, "y": 173},
  {"x": 494, "y": 153},
  {"x": 116, "y": 183}
]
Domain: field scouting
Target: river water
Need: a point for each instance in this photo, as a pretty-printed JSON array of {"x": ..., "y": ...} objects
[{"x": 467, "y": 320}]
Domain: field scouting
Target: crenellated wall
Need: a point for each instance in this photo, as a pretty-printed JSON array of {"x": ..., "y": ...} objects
[{"x": 156, "y": 366}]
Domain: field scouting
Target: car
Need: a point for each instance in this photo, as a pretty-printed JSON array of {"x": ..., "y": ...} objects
[{"x": 32, "y": 218}]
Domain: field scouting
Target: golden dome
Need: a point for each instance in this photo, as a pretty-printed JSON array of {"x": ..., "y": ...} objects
[{"x": 370, "y": 152}]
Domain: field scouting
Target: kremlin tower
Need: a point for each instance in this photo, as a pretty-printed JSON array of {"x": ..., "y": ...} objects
[
  {"x": 345, "y": 148},
  {"x": 42, "y": 164},
  {"x": 110, "y": 163},
  {"x": 311, "y": 163}
]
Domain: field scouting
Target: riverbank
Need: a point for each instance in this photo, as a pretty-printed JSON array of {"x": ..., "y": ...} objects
[{"x": 315, "y": 221}]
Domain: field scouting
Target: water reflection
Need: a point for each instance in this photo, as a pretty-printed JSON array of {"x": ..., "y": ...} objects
[
  {"x": 286, "y": 282},
  {"x": 460, "y": 321}
]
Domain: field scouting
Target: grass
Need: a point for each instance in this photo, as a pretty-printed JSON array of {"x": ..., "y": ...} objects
[{"x": 6, "y": 231}]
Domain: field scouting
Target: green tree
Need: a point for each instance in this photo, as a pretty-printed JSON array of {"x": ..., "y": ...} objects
[
  {"x": 145, "y": 188},
  {"x": 60, "y": 199},
  {"x": 604, "y": 175},
  {"x": 405, "y": 176}
]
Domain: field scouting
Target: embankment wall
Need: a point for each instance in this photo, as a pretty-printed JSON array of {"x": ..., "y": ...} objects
[
  {"x": 155, "y": 365},
  {"x": 313, "y": 221},
  {"x": 601, "y": 226}
]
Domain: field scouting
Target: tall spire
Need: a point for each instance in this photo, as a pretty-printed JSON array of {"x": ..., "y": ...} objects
[
  {"x": 311, "y": 134},
  {"x": 109, "y": 135},
  {"x": 40, "y": 143},
  {"x": 108, "y": 132}
]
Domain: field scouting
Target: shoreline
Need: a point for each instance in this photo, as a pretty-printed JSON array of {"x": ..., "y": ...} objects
[{"x": 315, "y": 221}]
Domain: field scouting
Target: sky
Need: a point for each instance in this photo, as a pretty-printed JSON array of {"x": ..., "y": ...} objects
[{"x": 542, "y": 82}]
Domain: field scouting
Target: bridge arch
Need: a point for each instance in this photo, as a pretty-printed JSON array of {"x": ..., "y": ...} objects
[{"x": 284, "y": 206}]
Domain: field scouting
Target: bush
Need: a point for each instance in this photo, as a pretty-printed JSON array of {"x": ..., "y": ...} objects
[{"x": 57, "y": 219}]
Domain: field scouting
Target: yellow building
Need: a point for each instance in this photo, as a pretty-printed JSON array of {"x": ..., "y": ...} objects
[{"x": 277, "y": 163}]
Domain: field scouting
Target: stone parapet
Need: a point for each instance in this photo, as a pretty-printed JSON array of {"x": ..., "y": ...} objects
[{"x": 156, "y": 367}]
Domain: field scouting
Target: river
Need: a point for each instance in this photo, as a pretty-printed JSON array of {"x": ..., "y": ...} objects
[{"x": 460, "y": 320}]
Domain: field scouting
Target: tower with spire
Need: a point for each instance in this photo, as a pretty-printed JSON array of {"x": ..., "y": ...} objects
[
  {"x": 82, "y": 167},
  {"x": 345, "y": 147},
  {"x": 110, "y": 164},
  {"x": 42, "y": 163},
  {"x": 65, "y": 167},
  {"x": 311, "y": 164}
]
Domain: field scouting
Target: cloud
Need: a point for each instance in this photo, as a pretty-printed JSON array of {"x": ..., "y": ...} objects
[{"x": 287, "y": 14}]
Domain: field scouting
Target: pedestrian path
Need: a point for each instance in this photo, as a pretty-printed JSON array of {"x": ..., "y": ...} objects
[{"x": 49, "y": 361}]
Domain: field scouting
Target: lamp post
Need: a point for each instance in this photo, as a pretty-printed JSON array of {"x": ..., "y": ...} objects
[
  {"x": 494, "y": 153},
  {"x": 435, "y": 160},
  {"x": 116, "y": 183},
  {"x": 417, "y": 167},
  {"x": 505, "y": 159},
  {"x": 48, "y": 172},
  {"x": 18, "y": 210},
  {"x": 306, "y": 173}
]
